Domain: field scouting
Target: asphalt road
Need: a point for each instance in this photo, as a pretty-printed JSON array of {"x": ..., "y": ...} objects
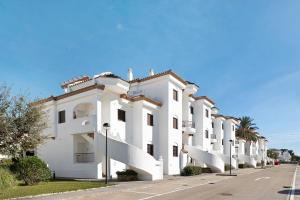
[{"x": 276, "y": 183}]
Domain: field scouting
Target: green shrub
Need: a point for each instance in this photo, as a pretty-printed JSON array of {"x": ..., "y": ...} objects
[
  {"x": 6, "y": 179},
  {"x": 127, "y": 175},
  {"x": 191, "y": 171},
  {"x": 242, "y": 166},
  {"x": 206, "y": 170},
  {"x": 227, "y": 167},
  {"x": 32, "y": 170},
  {"x": 6, "y": 164}
]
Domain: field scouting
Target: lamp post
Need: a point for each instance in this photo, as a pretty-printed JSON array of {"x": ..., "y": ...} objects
[
  {"x": 230, "y": 142},
  {"x": 106, "y": 126}
]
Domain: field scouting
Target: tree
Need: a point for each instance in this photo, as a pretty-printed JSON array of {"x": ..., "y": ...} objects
[
  {"x": 247, "y": 129},
  {"x": 291, "y": 152},
  {"x": 272, "y": 154},
  {"x": 21, "y": 124}
]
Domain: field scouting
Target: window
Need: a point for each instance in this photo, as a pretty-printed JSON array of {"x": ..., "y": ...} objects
[
  {"x": 149, "y": 119},
  {"x": 222, "y": 141},
  {"x": 175, "y": 151},
  {"x": 61, "y": 116},
  {"x": 206, "y": 133},
  {"x": 222, "y": 126},
  {"x": 206, "y": 113},
  {"x": 175, "y": 95},
  {"x": 121, "y": 115},
  {"x": 192, "y": 110},
  {"x": 175, "y": 123},
  {"x": 150, "y": 149},
  {"x": 30, "y": 153},
  {"x": 233, "y": 127},
  {"x": 212, "y": 125}
]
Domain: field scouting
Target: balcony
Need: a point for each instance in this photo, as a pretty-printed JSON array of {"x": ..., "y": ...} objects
[
  {"x": 188, "y": 126},
  {"x": 84, "y": 157},
  {"x": 213, "y": 138}
]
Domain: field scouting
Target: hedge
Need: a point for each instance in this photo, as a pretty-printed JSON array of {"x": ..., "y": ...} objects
[
  {"x": 191, "y": 171},
  {"x": 32, "y": 170}
]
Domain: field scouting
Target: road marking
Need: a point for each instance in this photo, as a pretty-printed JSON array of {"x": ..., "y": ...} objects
[
  {"x": 180, "y": 189},
  {"x": 137, "y": 192},
  {"x": 291, "y": 195},
  {"x": 261, "y": 178}
]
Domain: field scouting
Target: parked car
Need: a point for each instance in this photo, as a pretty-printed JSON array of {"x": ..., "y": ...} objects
[{"x": 276, "y": 162}]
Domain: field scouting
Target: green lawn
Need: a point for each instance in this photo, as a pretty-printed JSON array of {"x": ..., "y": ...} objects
[{"x": 49, "y": 187}]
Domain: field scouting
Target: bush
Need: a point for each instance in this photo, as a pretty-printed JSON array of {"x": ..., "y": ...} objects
[
  {"x": 227, "y": 167},
  {"x": 6, "y": 179},
  {"x": 127, "y": 175},
  {"x": 6, "y": 164},
  {"x": 32, "y": 170},
  {"x": 206, "y": 170},
  {"x": 191, "y": 171},
  {"x": 241, "y": 166}
]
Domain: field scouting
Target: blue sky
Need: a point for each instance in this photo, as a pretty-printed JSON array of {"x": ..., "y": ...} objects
[{"x": 243, "y": 54}]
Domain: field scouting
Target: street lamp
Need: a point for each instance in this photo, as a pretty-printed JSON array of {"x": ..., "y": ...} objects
[
  {"x": 230, "y": 155},
  {"x": 106, "y": 127}
]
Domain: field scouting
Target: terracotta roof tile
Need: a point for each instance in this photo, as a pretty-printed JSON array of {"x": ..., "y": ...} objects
[
  {"x": 140, "y": 98},
  {"x": 56, "y": 98},
  {"x": 169, "y": 72}
]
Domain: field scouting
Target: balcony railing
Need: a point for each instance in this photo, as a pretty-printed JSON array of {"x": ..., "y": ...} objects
[
  {"x": 213, "y": 136},
  {"x": 188, "y": 124},
  {"x": 84, "y": 157}
]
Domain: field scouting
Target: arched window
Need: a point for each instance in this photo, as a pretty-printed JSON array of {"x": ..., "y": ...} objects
[{"x": 82, "y": 110}]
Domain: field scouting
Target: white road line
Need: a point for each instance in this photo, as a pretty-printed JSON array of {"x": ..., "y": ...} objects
[
  {"x": 181, "y": 189},
  {"x": 148, "y": 193},
  {"x": 291, "y": 195},
  {"x": 261, "y": 178}
]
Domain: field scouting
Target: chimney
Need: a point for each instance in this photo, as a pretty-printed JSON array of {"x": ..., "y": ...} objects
[
  {"x": 130, "y": 74},
  {"x": 151, "y": 72}
]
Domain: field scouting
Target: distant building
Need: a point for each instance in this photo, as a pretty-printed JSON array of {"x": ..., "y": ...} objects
[{"x": 284, "y": 155}]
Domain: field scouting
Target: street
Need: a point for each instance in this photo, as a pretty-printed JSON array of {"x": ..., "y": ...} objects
[{"x": 280, "y": 182}]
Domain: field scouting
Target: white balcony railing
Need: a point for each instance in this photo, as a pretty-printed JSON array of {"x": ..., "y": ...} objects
[
  {"x": 188, "y": 124},
  {"x": 84, "y": 157}
]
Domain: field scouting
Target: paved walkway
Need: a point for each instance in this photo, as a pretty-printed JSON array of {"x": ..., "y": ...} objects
[{"x": 146, "y": 189}]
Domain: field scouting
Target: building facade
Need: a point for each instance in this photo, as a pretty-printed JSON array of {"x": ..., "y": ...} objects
[{"x": 157, "y": 126}]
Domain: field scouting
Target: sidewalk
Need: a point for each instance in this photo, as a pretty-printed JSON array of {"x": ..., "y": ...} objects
[{"x": 145, "y": 189}]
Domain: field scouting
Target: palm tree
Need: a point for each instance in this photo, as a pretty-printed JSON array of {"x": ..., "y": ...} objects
[{"x": 247, "y": 129}]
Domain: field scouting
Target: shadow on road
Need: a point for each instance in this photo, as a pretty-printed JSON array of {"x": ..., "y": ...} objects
[{"x": 296, "y": 192}]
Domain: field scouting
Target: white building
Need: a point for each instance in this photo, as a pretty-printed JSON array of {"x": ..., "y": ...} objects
[
  {"x": 157, "y": 126},
  {"x": 284, "y": 155}
]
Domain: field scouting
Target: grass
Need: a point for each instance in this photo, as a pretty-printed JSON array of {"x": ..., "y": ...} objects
[{"x": 54, "y": 186}]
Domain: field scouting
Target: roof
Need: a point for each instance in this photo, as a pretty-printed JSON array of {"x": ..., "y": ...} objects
[
  {"x": 217, "y": 116},
  {"x": 169, "y": 72},
  {"x": 56, "y": 98},
  {"x": 140, "y": 98},
  {"x": 202, "y": 97},
  {"x": 189, "y": 82},
  {"x": 75, "y": 81}
]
